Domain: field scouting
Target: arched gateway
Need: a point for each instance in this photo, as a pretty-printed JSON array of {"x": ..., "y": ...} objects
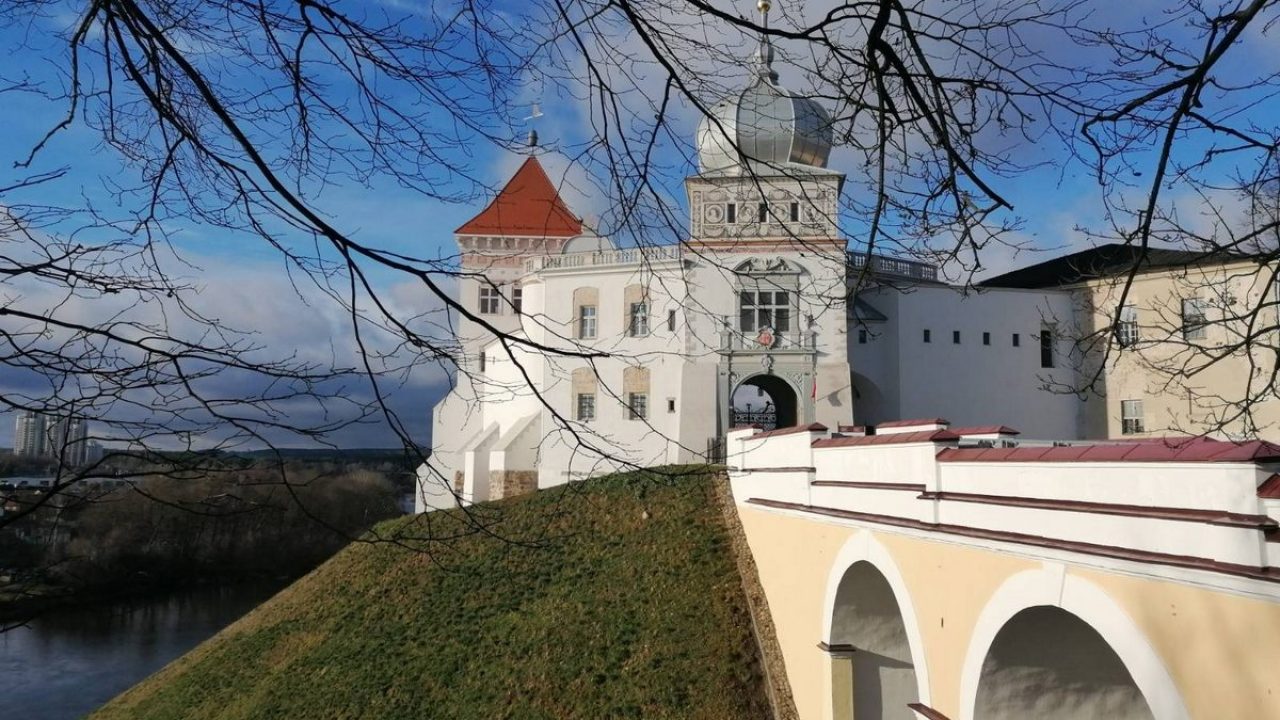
[{"x": 767, "y": 401}]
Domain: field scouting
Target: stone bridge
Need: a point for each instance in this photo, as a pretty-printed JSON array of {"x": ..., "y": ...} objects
[{"x": 959, "y": 573}]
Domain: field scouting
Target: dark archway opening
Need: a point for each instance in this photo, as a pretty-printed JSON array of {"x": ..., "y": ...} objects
[
  {"x": 1047, "y": 663},
  {"x": 767, "y": 401}
]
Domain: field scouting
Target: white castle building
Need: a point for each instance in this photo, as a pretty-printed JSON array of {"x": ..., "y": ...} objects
[{"x": 580, "y": 358}]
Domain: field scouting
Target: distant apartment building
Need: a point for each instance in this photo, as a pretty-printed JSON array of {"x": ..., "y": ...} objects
[
  {"x": 37, "y": 435},
  {"x": 29, "y": 435}
]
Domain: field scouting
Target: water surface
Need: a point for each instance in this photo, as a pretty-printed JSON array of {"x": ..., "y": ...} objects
[{"x": 68, "y": 663}]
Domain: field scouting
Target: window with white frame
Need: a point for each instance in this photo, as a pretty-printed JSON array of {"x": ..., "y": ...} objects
[
  {"x": 764, "y": 309},
  {"x": 490, "y": 300},
  {"x": 1127, "y": 329},
  {"x": 637, "y": 406},
  {"x": 587, "y": 322},
  {"x": 586, "y": 407},
  {"x": 1193, "y": 319},
  {"x": 1131, "y": 422},
  {"x": 638, "y": 326},
  {"x": 517, "y": 299}
]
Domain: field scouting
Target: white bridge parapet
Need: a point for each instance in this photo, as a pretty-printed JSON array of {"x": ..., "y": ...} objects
[{"x": 1192, "y": 503}]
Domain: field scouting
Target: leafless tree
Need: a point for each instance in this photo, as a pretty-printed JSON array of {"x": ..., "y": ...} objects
[{"x": 241, "y": 117}]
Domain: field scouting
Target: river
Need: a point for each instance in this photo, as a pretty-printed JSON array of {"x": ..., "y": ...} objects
[{"x": 70, "y": 662}]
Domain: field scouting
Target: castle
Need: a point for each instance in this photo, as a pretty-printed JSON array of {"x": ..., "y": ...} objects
[{"x": 579, "y": 357}]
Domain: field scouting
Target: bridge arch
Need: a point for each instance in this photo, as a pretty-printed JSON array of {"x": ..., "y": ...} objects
[
  {"x": 1052, "y": 601},
  {"x": 867, "y": 607}
]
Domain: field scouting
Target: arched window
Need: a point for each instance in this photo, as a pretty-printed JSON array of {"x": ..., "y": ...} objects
[
  {"x": 635, "y": 391},
  {"x": 584, "y": 385},
  {"x": 586, "y": 313}
]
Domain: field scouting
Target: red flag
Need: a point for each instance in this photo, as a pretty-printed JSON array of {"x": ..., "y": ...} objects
[{"x": 814, "y": 396}]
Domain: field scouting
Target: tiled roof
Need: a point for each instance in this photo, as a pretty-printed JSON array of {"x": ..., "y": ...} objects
[
  {"x": 985, "y": 430},
  {"x": 1161, "y": 450},
  {"x": 1270, "y": 488},
  {"x": 811, "y": 427},
  {"x": 528, "y": 205},
  {"x": 922, "y": 436},
  {"x": 1105, "y": 261},
  {"x": 912, "y": 423}
]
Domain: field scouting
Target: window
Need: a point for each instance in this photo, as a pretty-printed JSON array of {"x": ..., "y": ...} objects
[
  {"x": 587, "y": 322},
  {"x": 1193, "y": 320},
  {"x": 671, "y": 405},
  {"x": 482, "y": 361},
  {"x": 955, "y": 337},
  {"x": 586, "y": 407},
  {"x": 986, "y": 338},
  {"x": 731, "y": 213},
  {"x": 795, "y": 212},
  {"x": 517, "y": 299},
  {"x": 639, "y": 320},
  {"x": 1127, "y": 330},
  {"x": 637, "y": 406},
  {"x": 671, "y": 321},
  {"x": 862, "y": 336},
  {"x": 1046, "y": 347},
  {"x": 1131, "y": 417},
  {"x": 1017, "y": 341},
  {"x": 490, "y": 300},
  {"x": 764, "y": 309},
  {"x": 928, "y": 336},
  {"x": 763, "y": 210}
]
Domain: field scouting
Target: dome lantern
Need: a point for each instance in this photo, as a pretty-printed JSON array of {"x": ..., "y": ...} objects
[{"x": 764, "y": 123}]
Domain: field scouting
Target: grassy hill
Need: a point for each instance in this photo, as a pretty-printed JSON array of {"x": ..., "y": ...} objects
[{"x": 626, "y": 604}]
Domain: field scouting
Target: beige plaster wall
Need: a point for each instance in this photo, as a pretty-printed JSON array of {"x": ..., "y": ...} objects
[
  {"x": 1222, "y": 650},
  {"x": 1219, "y": 648}
]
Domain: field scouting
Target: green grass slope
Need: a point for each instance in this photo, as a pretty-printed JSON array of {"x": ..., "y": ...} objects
[{"x": 628, "y": 606}]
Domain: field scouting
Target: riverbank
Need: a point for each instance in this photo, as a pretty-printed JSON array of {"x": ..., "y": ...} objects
[{"x": 71, "y": 660}]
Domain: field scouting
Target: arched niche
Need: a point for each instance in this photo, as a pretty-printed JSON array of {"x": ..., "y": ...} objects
[
  {"x": 875, "y": 649},
  {"x": 1054, "y": 606}
]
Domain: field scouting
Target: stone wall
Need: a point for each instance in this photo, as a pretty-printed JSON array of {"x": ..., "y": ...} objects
[{"x": 509, "y": 483}]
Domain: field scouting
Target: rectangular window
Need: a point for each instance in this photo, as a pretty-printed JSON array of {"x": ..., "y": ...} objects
[
  {"x": 587, "y": 322},
  {"x": 986, "y": 338},
  {"x": 637, "y": 406},
  {"x": 1131, "y": 421},
  {"x": 795, "y": 212},
  {"x": 1127, "y": 329},
  {"x": 1017, "y": 340},
  {"x": 671, "y": 321},
  {"x": 1046, "y": 347},
  {"x": 639, "y": 323},
  {"x": 671, "y": 405},
  {"x": 517, "y": 299},
  {"x": 764, "y": 212},
  {"x": 1193, "y": 319},
  {"x": 482, "y": 361},
  {"x": 731, "y": 213},
  {"x": 586, "y": 407},
  {"x": 928, "y": 336},
  {"x": 955, "y": 337},
  {"x": 764, "y": 309},
  {"x": 490, "y": 300},
  {"x": 862, "y": 337}
]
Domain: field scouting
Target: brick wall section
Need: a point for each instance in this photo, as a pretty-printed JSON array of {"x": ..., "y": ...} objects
[
  {"x": 509, "y": 483},
  {"x": 779, "y": 689}
]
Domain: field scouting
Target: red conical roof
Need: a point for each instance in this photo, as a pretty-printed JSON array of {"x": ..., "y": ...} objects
[{"x": 528, "y": 205}]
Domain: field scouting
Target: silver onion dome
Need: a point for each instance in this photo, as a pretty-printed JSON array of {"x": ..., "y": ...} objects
[{"x": 764, "y": 123}]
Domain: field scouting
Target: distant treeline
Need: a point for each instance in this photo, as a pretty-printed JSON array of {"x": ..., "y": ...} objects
[{"x": 226, "y": 525}]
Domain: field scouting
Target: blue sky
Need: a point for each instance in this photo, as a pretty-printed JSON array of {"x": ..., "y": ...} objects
[{"x": 240, "y": 271}]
